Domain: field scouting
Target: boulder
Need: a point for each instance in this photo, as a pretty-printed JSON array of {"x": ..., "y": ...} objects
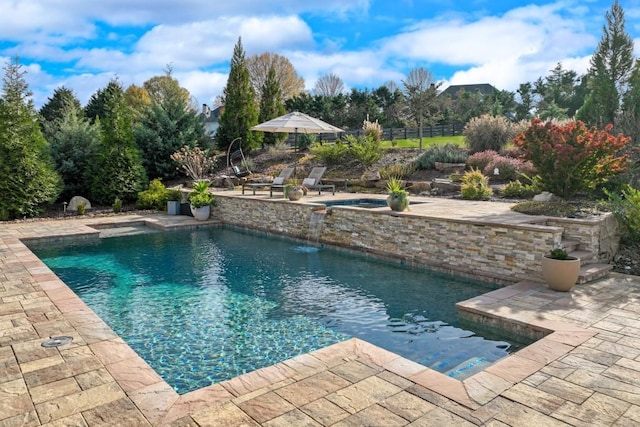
[
  {"x": 545, "y": 196},
  {"x": 75, "y": 201}
]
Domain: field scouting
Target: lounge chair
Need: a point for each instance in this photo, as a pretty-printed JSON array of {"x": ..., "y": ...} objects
[
  {"x": 313, "y": 182},
  {"x": 279, "y": 180}
]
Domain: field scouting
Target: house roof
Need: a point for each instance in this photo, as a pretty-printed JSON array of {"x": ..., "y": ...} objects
[
  {"x": 483, "y": 88},
  {"x": 210, "y": 115}
]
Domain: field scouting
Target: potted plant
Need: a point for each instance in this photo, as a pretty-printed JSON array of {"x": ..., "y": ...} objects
[
  {"x": 294, "y": 191},
  {"x": 560, "y": 270},
  {"x": 201, "y": 200},
  {"x": 398, "y": 199},
  {"x": 173, "y": 201}
]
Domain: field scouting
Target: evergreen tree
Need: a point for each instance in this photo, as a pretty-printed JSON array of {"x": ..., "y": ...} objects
[
  {"x": 57, "y": 105},
  {"x": 271, "y": 106},
  {"x": 610, "y": 70},
  {"x": 167, "y": 125},
  {"x": 74, "y": 141},
  {"x": 27, "y": 179},
  {"x": 118, "y": 170},
  {"x": 96, "y": 107},
  {"x": 239, "y": 113}
]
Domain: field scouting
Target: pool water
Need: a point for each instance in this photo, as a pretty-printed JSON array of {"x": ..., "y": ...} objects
[
  {"x": 205, "y": 306},
  {"x": 360, "y": 203}
]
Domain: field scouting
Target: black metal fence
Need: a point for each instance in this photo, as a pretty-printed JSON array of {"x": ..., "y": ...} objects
[{"x": 394, "y": 133}]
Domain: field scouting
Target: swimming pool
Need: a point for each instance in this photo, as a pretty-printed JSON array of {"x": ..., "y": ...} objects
[
  {"x": 368, "y": 203},
  {"x": 205, "y": 306}
]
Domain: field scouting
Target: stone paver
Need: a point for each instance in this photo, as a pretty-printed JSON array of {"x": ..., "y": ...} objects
[{"x": 587, "y": 372}]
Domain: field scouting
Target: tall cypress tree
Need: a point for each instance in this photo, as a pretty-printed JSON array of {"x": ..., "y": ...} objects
[
  {"x": 271, "y": 105},
  {"x": 239, "y": 113},
  {"x": 27, "y": 179},
  {"x": 610, "y": 70},
  {"x": 118, "y": 170}
]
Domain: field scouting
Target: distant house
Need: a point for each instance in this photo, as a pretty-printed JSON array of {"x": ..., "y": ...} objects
[
  {"x": 483, "y": 88},
  {"x": 211, "y": 118}
]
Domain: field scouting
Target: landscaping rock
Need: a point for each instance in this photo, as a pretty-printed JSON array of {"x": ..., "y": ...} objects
[
  {"x": 75, "y": 201},
  {"x": 545, "y": 196}
]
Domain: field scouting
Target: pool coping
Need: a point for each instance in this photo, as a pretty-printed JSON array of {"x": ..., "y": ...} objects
[{"x": 160, "y": 404}]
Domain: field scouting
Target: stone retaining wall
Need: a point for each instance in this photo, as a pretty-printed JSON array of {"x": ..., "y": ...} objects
[{"x": 500, "y": 252}]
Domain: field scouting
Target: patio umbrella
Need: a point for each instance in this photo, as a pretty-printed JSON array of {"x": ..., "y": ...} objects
[{"x": 296, "y": 122}]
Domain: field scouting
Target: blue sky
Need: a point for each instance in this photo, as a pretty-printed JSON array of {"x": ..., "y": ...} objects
[{"x": 83, "y": 44}]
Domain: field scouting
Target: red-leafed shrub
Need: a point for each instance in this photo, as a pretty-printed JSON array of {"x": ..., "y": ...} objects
[
  {"x": 569, "y": 157},
  {"x": 482, "y": 159},
  {"x": 508, "y": 168}
]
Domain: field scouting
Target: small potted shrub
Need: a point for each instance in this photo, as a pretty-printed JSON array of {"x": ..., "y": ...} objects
[
  {"x": 398, "y": 199},
  {"x": 173, "y": 202},
  {"x": 560, "y": 270},
  {"x": 82, "y": 208},
  {"x": 201, "y": 200}
]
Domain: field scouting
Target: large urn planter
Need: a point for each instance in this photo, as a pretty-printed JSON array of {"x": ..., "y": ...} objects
[
  {"x": 295, "y": 193},
  {"x": 202, "y": 213},
  {"x": 560, "y": 274}
]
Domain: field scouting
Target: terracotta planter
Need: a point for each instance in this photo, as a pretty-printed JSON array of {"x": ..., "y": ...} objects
[
  {"x": 560, "y": 274},
  {"x": 201, "y": 214}
]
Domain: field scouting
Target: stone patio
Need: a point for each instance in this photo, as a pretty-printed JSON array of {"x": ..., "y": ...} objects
[{"x": 585, "y": 370}]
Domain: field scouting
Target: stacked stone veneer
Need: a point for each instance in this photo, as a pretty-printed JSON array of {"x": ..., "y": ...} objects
[{"x": 501, "y": 252}]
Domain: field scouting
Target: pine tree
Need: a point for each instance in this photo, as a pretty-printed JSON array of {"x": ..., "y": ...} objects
[
  {"x": 610, "y": 70},
  {"x": 74, "y": 140},
  {"x": 239, "y": 113},
  {"x": 168, "y": 125},
  {"x": 57, "y": 105},
  {"x": 271, "y": 106},
  {"x": 118, "y": 170},
  {"x": 27, "y": 179},
  {"x": 96, "y": 107}
]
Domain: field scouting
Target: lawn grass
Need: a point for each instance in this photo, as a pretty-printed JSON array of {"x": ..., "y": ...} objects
[{"x": 426, "y": 142}]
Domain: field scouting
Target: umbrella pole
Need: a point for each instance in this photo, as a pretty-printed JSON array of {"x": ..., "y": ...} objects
[{"x": 295, "y": 153}]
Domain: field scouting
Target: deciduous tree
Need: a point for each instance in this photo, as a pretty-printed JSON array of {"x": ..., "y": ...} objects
[
  {"x": 420, "y": 92},
  {"x": 329, "y": 85},
  {"x": 291, "y": 84}
]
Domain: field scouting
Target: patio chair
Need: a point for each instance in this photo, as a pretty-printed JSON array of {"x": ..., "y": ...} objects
[
  {"x": 313, "y": 182},
  {"x": 278, "y": 181}
]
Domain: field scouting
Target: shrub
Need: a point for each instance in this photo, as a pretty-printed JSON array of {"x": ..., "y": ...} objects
[
  {"x": 626, "y": 207},
  {"x": 372, "y": 129},
  {"x": 154, "y": 198},
  {"x": 447, "y": 153},
  {"x": 475, "y": 186},
  {"x": 508, "y": 168},
  {"x": 365, "y": 149},
  {"x": 481, "y": 159},
  {"x": 305, "y": 140},
  {"x": 570, "y": 158},
  {"x": 488, "y": 132},
  {"x": 534, "y": 207},
  {"x": 400, "y": 170},
  {"x": 516, "y": 189},
  {"x": 196, "y": 163},
  {"x": 117, "y": 205},
  {"x": 331, "y": 154}
]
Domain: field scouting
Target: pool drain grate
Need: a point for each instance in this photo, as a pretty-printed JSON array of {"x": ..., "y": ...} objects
[{"x": 56, "y": 341}]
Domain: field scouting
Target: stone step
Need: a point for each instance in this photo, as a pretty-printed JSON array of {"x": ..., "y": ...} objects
[
  {"x": 590, "y": 272},
  {"x": 583, "y": 255},
  {"x": 570, "y": 245}
]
